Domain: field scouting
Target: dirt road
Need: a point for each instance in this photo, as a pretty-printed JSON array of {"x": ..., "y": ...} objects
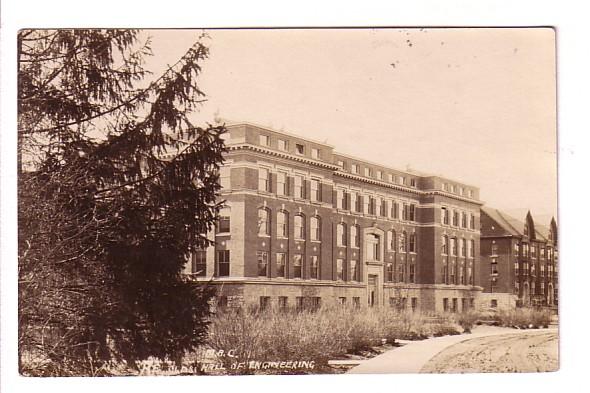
[{"x": 530, "y": 352}]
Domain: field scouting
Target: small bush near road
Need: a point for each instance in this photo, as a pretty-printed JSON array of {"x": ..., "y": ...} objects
[{"x": 524, "y": 317}]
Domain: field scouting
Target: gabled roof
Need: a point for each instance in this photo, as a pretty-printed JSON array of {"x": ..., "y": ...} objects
[
  {"x": 515, "y": 227},
  {"x": 509, "y": 224}
]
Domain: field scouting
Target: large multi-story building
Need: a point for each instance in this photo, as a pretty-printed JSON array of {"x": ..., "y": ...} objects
[
  {"x": 518, "y": 259},
  {"x": 304, "y": 225}
]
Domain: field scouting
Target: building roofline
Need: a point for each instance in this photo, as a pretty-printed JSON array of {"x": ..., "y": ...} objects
[{"x": 286, "y": 133}]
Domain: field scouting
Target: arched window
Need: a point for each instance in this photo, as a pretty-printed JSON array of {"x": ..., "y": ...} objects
[
  {"x": 355, "y": 236},
  {"x": 315, "y": 228},
  {"x": 413, "y": 242},
  {"x": 402, "y": 242},
  {"x": 299, "y": 223},
  {"x": 282, "y": 224},
  {"x": 391, "y": 240},
  {"x": 445, "y": 245},
  {"x": 341, "y": 234},
  {"x": 263, "y": 221}
]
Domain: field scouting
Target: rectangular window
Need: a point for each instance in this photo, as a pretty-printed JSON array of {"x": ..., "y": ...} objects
[
  {"x": 224, "y": 177},
  {"x": 412, "y": 243},
  {"x": 368, "y": 172},
  {"x": 463, "y": 244},
  {"x": 446, "y": 304},
  {"x": 412, "y": 273},
  {"x": 281, "y": 183},
  {"x": 354, "y": 168},
  {"x": 342, "y": 301},
  {"x": 340, "y": 199},
  {"x": 402, "y": 180},
  {"x": 264, "y": 179},
  {"x": 382, "y": 208},
  {"x": 262, "y": 257},
  {"x": 340, "y": 163},
  {"x": 339, "y": 269},
  {"x": 494, "y": 249},
  {"x": 298, "y": 187},
  {"x": 283, "y": 145},
  {"x": 494, "y": 303},
  {"x": 405, "y": 212},
  {"x": 413, "y": 182},
  {"x": 454, "y": 247},
  {"x": 222, "y": 257},
  {"x": 463, "y": 220},
  {"x": 199, "y": 263},
  {"x": 264, "y": 302},
  {"x": 389, "y": 272},
  {"x": 354, "y": 236},
  {"x": 391, "y": 178},
  {"x": 283, "y": 302},
  {"x": 353, "y": 270},
  {"x": 454, "y": 309},
  {"x": 395, "y": 210},
  {"x": 414, "y": 303},
  {"x": 315, "y": 153},
  {"x": 366, "y": 204},
  {"x": 264, "y": 140},
  {"x": 314, "y": 267},
  {"x": 281, "y": 261},
  {"x": 455, "y": 218},
  {"x": 299, "y": 149},
  {"x": 315, "y": 190},
  {"x": 356, "y": 301},
  {"x": 412, "y": 215},
  {"x": 297, "y": 264},
  {"x": 471, "y": 248},
  {"x": 380, "y": 175},
  {"x": 472, "y": 221},
  {"x": 223, "y": 225},
  {"x": 299, "y": 303},
  {"x": 445, "y": 215}
]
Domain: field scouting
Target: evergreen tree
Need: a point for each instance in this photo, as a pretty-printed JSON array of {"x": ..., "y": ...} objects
[{"x": 116, "y": 188}]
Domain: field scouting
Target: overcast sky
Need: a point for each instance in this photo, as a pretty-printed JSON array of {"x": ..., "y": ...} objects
[{"x": 476, "y": 105}]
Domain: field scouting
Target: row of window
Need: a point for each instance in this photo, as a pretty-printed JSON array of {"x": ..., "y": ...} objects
[
  {"x": 466, "y": 304},
  {"x": 523, "y": 269},
  {"x": 355, "y": 202},
  {"x": 527, "y": 250},
  {"x": 379, "y": 174},
  {"x": 461, "y": 274},
  {"x": 454, "y": 189},
  {"x": 457, "y": 219},
  {"x": 283, "y": 145},
  {"x": 344, "y": 237},
  {"x": 465, "y": 247}
]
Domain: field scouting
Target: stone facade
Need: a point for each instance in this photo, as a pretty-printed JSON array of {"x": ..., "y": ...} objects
[{"x": 305, "y": 224}]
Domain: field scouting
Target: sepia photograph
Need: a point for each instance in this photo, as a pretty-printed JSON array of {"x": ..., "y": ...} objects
[{"x": 262, "y": 201}]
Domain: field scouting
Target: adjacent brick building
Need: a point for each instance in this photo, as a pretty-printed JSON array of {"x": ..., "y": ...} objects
[
  {"x": 519, "y": 259},
  {"x": 306, "y": 226}
]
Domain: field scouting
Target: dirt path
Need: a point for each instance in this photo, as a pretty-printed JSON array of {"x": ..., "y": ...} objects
[{"x": 530, "y": 352}]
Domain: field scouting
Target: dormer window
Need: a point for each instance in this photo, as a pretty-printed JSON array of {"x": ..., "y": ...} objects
[{"x": 299, "y": 149}]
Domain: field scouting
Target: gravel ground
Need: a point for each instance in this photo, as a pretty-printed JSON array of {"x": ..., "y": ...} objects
[{"x": 530, "y": 352}]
